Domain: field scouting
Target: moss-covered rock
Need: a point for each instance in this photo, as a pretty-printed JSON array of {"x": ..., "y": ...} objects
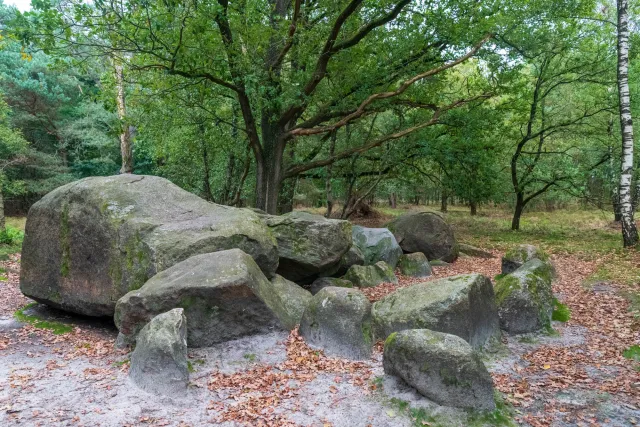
[
  {"x": 338, "y": 321},
  {"x": 425, "y": 232},
  {"x": 460, "y": 305},
  {"x": 516, "y": 257},
  {"x": 525, "y": 298},
  {"x": 286, "y": 299},
  {"x": 219, "y": 292},
  {"x": 414, "y": 265},
  {"x": 442, "y": 367},
  {"x": 325, "y": 282},
  {"x": 308, "y": 245},
  {"x": 377, "y": 244},
  {"x": 473, "y": 251},
  {"x": 159, "y": 362},
  {"x": 90, "y": 242},
  {"x": 369, "y": 276}
]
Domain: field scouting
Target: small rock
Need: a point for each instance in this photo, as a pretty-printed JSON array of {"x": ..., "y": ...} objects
[
  {"x": 513, "y": 259},
  {"x": 438, "y": 263},
  {"x": 473, "y": 251},
  {"x": 159, "y": 361},
  {"x": 285, "y": 299},
  {"x": 324, "y": 282},
  {"x": 414, "y": 265},
  {"x": 338, "y": 320},
  {"x": 461, "y": 305},
  {"x": 425, "y": 232},
  {"x": 369, "y": 276},
  {"x": 441, "y": 367},
  {"x": 525, "y": 298},
  {"x": 377, "y": 244}
]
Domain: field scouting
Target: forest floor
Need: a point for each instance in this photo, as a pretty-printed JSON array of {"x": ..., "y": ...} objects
[{"x": 57, "y": 369}]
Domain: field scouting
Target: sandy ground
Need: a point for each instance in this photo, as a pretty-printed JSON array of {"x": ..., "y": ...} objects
[{"x": 80, "y": 379}]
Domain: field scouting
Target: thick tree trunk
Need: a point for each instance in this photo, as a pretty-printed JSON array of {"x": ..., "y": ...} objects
[
  {"x": 328, "y": 187},
  {"x": 393, "y": 200},
  {"x": 269, "y": 168},
  {"x": 208, "y": 194},
  {"x": 629, "y": 231},
  {"x": 517, "y": 213},
  {"x": 125, "y": 134},
  {"x": 473, "y": 207}
]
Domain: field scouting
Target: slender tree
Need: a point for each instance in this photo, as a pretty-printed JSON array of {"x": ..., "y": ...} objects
[{"x": 629, "y": 230}]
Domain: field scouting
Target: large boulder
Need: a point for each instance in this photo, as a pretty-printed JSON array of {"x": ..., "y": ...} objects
[
  {"x": 90, "y": 242},
  {"x": 369, "y": 276},
  {"x": 425, "y": 232},
  {"x": 376, "y": 244},
  {"x": 516, "y": 257},
  {"x": 460, "y": 305},
  {"x": 338, "y": 321},
  {"x": 159, "y": 361},
  {"x": 286, "y": 299},
  {"x": 442, "y": 367},
  {"x": 525, "y": 298},
  {"x": 414, "y": 265},
  {"x": 218, "y": 292},
  {"x": 325, "y": 282},
  {"x": 308, "y": 245}
]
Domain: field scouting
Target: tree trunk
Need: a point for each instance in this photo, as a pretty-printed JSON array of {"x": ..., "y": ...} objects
[
  {"x": 393, "y": 200},
  {"x": 629, "y": 231},
  {"x": 329, "y": 189},
  {"x": 269, "y": 167},
  {"x": 517, "y": 213},
  {"x": 208, "y": 194},
  {"x": 3, "y": 223},
  {"x": 473, "y": 206},
  {"x": 443, "y": 200},
  {"x": 125, "y": 134}
]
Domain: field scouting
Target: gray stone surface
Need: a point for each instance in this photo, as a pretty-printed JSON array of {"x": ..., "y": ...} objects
[
  {"x": 90, "y": 242},
  {"x": 159, "y": 361},
  {"x": 461, "y": 305},
  {"x": 324, "y": 282},
  {"x": 286, "y": 299},
  {"x": 440, "y": 366},
  {"x": 425, "y": 232},
  {"x": 377, "y": 244},
  {"x": 414, "y": 265},
  {"x": 308, "y": 245},
  {"x": 525, "y": 298},
  {"x": 473, "y": 251},
  {"x": 368, "y": 276},
  {"x": 338, "y": 321},
  {"x": 218, "y": 291},
  {"x": 516, "y": 257}
]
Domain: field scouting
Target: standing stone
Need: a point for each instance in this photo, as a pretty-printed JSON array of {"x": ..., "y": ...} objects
[
  {"x": 308, "y": 245},
  {"x": 219, "y": 292},
  {"x": 338, "y": 321},
  {"x": 516, "y": 257},
  {"x": 285, "y": 299},
  {"x": 325, "y": 282},
  {"x": 159, "y": 361},
  {"x": 369, "y": 276},
  {"x": 377, "y": 244},
  {"x": 525, "y": 298},
  {"x": 90, "y": 242},
  {"x": 460, "y": 305},
  {"x": 414, "y": 265},
  {"x": 425, "y": 232},
  {"x": 442, "y": 367}
]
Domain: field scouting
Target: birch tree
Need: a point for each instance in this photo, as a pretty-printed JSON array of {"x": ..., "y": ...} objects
[{"x": 629, "y": 230}]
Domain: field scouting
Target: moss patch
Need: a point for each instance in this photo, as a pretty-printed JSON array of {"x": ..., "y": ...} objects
[
  {"x": 56, "y": 327},
  {"x": 632, "y": 353},
  {"x": 561, "y": 312}
]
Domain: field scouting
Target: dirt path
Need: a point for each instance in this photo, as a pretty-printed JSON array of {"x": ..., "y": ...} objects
[{"x": 578, "y": 377}]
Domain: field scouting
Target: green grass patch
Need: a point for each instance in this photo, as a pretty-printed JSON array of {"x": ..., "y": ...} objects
[
  {"x": 561, "y": 312},
  {"x": 632, "y": 353},
  {"x": 56, "y": 327},
  {"x": 250, "y": 357},
  {"x": 10, "y": 241}
]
